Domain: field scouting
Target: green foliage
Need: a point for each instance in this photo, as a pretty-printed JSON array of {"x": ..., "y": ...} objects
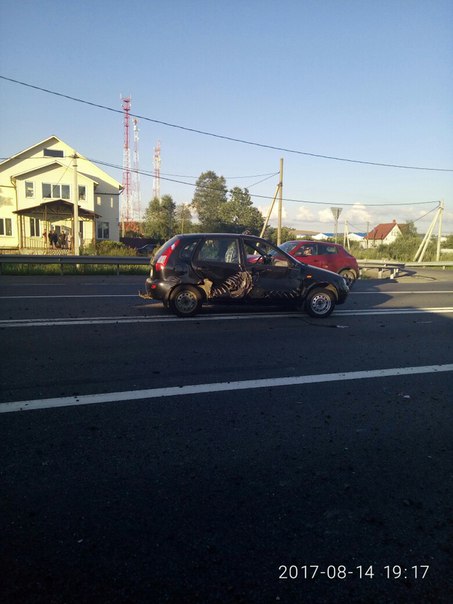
[
  {"x": 449, "y": 242},
  {"x": 288, "y": 234},
  {"x": 107, "y": 248},
  {"x": 183, "y": 219},
  {"x": 209, "y": 198},
  {"x": 240, "y": 214},
  {"x": 160, "y": 219}
]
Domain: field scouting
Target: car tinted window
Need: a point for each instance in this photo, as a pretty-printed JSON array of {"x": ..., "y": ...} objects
[{"x": 288, "y": 246}]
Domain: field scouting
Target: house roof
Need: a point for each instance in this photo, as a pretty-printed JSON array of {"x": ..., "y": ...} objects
[
  {"x": 381, "y": 231},
  {"x": 58, "y": 209},
  {"x": 52, "y": 138},
  {"x": 38, "y": 168}
]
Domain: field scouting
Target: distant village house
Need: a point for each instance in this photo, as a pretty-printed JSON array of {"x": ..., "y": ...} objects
[{"x": 384, "y": 234}]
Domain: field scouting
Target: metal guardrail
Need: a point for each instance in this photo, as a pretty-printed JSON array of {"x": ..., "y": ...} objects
[
  {"x": 394, "y": 268},
  {"x": 73, "y": 260},
  {"x": 381, "y": 265}
]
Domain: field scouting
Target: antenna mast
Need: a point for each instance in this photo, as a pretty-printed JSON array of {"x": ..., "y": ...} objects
[
  {"x": 156, "y": 181},
  {"x": 126, "y": 195},
  {"x": 137, "y": 192}
]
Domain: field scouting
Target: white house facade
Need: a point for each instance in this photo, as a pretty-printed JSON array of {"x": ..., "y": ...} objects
[{"x": 37, "y": 192}]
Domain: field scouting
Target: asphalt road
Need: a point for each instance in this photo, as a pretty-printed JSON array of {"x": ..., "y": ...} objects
[{"x": 243, "y": 457}]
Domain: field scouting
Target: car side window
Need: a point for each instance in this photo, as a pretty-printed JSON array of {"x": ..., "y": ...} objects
[
  {"x": 329, "y": 249},
  {"x": 308, "y": 249},
  {"x": 261, "y": 252},
  {"x": 219, "y": 250},
  {"x": 187, "y": 250}
]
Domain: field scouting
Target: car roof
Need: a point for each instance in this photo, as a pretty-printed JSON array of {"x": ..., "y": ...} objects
[
  {"x": 240, "y": 235},
  {"x": 310, "y": 241}
]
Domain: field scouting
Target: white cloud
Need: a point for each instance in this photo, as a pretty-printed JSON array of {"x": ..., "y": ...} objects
[
  {"x": 304, "y": 213},
  {"x": 274, "y": 216}
]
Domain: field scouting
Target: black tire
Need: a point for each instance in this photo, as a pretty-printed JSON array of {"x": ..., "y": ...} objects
[
  {"x": 185, "y": 301},
  {"x": 320, "y": 303},
  {"x": 349, "y": 275}
]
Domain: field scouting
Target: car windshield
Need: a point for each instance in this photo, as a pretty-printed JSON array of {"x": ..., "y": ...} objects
[{"x": 288, "y": 246}]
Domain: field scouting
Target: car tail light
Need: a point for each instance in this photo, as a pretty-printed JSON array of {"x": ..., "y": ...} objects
[{"x": 161, "y": 262}]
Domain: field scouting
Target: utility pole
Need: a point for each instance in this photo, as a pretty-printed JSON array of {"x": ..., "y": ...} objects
[
  {"x": 280, "y": 204},
  {"x": 346, "y": 242},
  {"x": 439, "y": 232},
  {"x": 427, "y": 238},
  {"x": 75, "y": 201},
  {"x": 336, "y": 214},
  {"x": 278, "y": 192}
]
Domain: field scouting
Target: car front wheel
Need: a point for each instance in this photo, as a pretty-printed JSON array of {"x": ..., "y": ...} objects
[
  {"x": 349, "y": 275},
  {"x": 320, "y": 303},
  {"x": 185, "y": 301}
]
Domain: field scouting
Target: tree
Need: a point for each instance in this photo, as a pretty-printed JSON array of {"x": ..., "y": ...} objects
[
  {"x": 160, "y": 220},
  {"x": 288, "y": 234},
  {"x": 239, "y": 214},
  {"x": 405, "y": 245},
  {"x": 183, "y": 218},
  {"x": 208, "y": 200}
]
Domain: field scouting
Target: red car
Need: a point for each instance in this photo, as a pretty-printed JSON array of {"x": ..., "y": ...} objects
[{"x": 331, "y": 256}]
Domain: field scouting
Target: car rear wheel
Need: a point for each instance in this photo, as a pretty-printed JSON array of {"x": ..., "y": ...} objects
[
  {"x": 320, "y": 303},
  {"x": 185, "y": 301},
  {"x": 349, "y": 275}
]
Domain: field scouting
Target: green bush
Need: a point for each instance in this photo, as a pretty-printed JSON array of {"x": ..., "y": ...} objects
[{"x": 107, "y": 248}]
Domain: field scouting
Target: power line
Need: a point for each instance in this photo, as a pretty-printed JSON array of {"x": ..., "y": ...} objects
[
  {"x": 322, "y": 203},
  {"x": 223, "y": 137},
  {"x": 266, "y": 197}
]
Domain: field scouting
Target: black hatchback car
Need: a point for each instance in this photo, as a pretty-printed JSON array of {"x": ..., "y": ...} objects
[{"x": 189, "y": 270}]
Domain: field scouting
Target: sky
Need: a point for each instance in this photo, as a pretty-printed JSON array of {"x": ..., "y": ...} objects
[{"x": 352, "y": 80}]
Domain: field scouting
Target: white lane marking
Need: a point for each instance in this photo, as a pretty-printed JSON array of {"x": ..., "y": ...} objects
[
  {"x": 352, "y": 293},
  {"x": 230, "y": 317},
  {"x": 402, "y": 291},
  {"x": 69, "y": 296},
  {"x": 133, "y": 395},
  {"x": 396, "y": 311}
]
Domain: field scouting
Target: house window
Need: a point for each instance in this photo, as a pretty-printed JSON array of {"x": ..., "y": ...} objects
[
  {"x": 103, "y": 230},
  {"x": 53, "y": 153},
  {"x": 6, "y": 227},
  {"x": 98, "y": 201},
  {"x": 56, "y": 191},
  {"x": 29, "y": 189},
  {"x": 82, "y": 193},
  {"x": 34, "y": 227}
]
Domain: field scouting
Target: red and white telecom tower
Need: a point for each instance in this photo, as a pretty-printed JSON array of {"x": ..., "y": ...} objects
[
  {"x": 137, "y": 196},
  {"x": 127, "y": 185},
  {"x": 156, "y": 180}
]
